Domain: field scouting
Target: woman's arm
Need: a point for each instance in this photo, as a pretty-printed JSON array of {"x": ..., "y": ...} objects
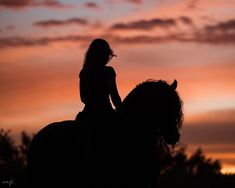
[
  {"x": 82, "y": 91},
  {"x": 116, "y": 99}
]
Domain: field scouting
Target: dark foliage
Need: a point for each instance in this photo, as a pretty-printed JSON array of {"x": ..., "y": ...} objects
[
  {"x": 192, "y": 171},
  {"x": 13, "y": 159}
]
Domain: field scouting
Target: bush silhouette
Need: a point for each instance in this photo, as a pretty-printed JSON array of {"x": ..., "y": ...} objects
[
  {"x": 13, "y": 159},
  {"x": 193, "y": 171}
]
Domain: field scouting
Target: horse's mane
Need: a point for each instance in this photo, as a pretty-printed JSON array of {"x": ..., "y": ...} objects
[{"x": 155, "y": 105}]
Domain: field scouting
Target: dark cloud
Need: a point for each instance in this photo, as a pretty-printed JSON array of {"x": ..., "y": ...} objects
[
  {"x": 216, "y": 127},
  {"x": 186, "y": 20},
  {"x": 134, "y": 1},
  {"x": 43, "y": 41},
  {"x": 53, "y": 23},
  {"x": 202, "y": 36},
  {"x": 27, "y": 3},
  {"x": 10, "y": 27},
  {"x": 197, "y": 37},
  {"x": 220, "y": 33},
  {"x": 151, "y": 24},
  {"x": 15, "y": 4},
  {"x": 50, "y": 3},
  {"x": 207, "y": 133},
  {"x": 222, "y": 27},
  {"x": 92, "y": 5},
  {"x": 228, "y": 39},
  {"x": 145, "y": 24},
  {"x": 20, "y": 41},
  {"x": 216, "y": 38},
  {"x": 142, "y": 39}
]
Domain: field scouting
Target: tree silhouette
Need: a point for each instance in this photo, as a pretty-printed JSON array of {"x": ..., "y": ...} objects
[
  {"x": 8, "y": 150},
  {"x": 193, "y": 171},
  {"x": 13, "y": 159},
  {"x": 199, "y": 165},
  {"x": 24, "y": 146}
]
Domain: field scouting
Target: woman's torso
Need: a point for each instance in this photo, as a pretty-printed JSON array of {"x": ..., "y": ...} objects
[{"x": 95, "y": 82}]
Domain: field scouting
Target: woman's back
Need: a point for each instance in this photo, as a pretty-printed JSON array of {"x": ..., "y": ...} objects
[{"x": 95, "y": 88}]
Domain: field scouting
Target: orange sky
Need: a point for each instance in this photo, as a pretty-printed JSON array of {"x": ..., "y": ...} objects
[{"x": 43, "y": 45}]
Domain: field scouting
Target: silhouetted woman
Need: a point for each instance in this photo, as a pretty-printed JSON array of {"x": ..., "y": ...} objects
[{"x": 98, "y": 81}]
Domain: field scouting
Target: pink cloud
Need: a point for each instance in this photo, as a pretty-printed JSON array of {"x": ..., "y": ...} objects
[{"x": 92, "y": 5}]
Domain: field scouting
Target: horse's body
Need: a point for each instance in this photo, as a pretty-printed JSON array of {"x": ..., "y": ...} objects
[
  {"x": 70, "y": 153},
  {"x": 121, "y": 151}
]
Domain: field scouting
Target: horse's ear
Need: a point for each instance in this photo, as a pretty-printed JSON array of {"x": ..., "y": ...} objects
[{"x": 174, "y": 85}]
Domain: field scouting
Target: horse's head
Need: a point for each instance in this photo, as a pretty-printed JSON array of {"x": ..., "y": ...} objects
[{"x": 155, "y": 108}]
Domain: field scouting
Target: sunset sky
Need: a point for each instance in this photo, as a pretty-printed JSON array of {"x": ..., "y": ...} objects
[{"x": 43, "y": 42}]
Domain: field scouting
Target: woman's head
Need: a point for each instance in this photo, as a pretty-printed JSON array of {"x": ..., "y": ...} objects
[{"x": 98, "y": 54}]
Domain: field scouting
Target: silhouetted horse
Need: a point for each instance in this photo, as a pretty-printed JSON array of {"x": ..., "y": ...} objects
[{"x": 121, "y": 151}]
